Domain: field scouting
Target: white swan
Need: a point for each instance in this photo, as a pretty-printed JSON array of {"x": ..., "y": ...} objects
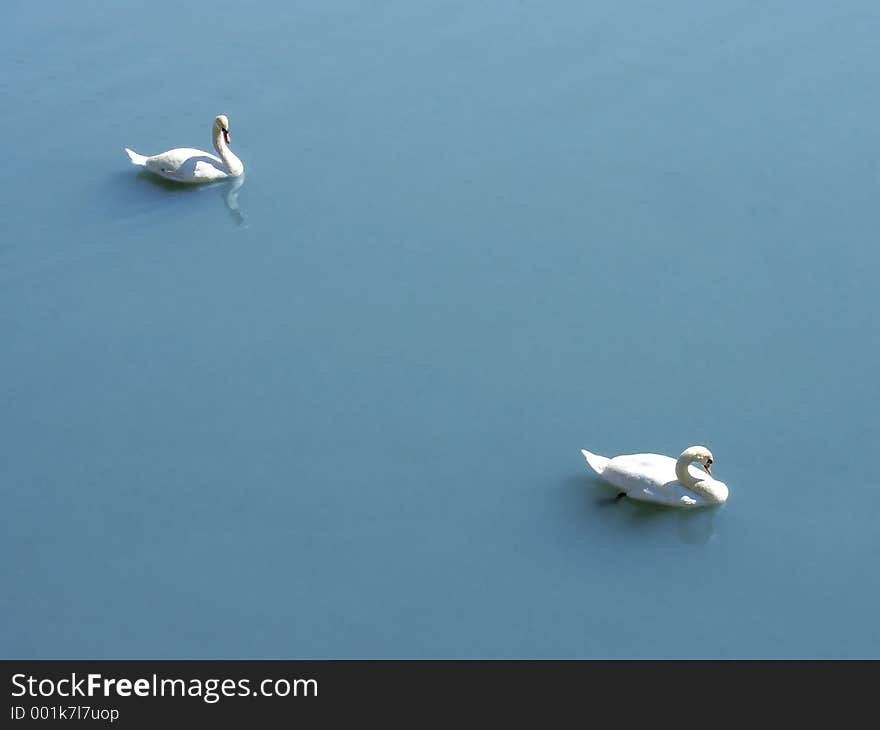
[
  {"x": 661, "y": 479},
  {"x": 188, "y": 165}
]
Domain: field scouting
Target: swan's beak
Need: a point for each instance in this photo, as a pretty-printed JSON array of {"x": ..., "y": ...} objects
[
  {"x": 226, "y": 135},
  {"x": 709, "y": 466}
]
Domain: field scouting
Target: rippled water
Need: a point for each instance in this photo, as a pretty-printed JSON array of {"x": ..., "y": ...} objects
[{"x": 337, "y": 411}]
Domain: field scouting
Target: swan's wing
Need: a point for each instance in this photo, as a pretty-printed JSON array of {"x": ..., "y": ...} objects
[
  {"x": 646, "y": 477},
  {"x": 207, "y": 170},
  {"x": 185, "y": 164},
  {"x": 640, "y": 471}
]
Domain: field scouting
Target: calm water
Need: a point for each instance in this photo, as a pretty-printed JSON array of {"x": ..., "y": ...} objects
[{"x": 337, "y": 412}]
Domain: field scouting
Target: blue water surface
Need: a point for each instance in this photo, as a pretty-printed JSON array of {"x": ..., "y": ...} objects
[{"x": 337, "y": 411}]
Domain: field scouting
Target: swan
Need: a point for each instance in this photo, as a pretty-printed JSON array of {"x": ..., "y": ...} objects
[
  {"x": 662, "y": 479},
  {"x": 188, "y": 165}
]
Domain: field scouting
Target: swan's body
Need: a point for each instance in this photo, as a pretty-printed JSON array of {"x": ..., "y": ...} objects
[
  {"x": 661, "y": 479},
  {"x": 189, "y": 165}
]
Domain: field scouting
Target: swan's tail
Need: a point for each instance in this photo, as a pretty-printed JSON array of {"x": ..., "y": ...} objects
[
  {"x": 594, "y": 460},
  {"x": 136, "y": 159}
]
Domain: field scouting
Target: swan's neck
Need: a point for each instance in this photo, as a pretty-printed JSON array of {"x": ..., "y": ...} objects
[
  {"x": 232, "y": 163},
  {"x": 689, "y": 480}
]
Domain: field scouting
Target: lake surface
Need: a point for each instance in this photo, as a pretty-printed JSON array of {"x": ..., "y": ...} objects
[{"x": 337, "y": 411}]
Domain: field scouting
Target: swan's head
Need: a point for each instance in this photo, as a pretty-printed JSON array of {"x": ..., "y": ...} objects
[
  {"x": 221, "y": 125},
  {"x": 700, "y": 454}
]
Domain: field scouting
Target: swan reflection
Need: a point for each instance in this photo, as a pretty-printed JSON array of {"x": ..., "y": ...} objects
[
  {"x": 693, "y": 526},
  {"x": 696, "y": 527},
  {"x": 231, "y": 199},
  {"x": 228, "y": 190}
]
